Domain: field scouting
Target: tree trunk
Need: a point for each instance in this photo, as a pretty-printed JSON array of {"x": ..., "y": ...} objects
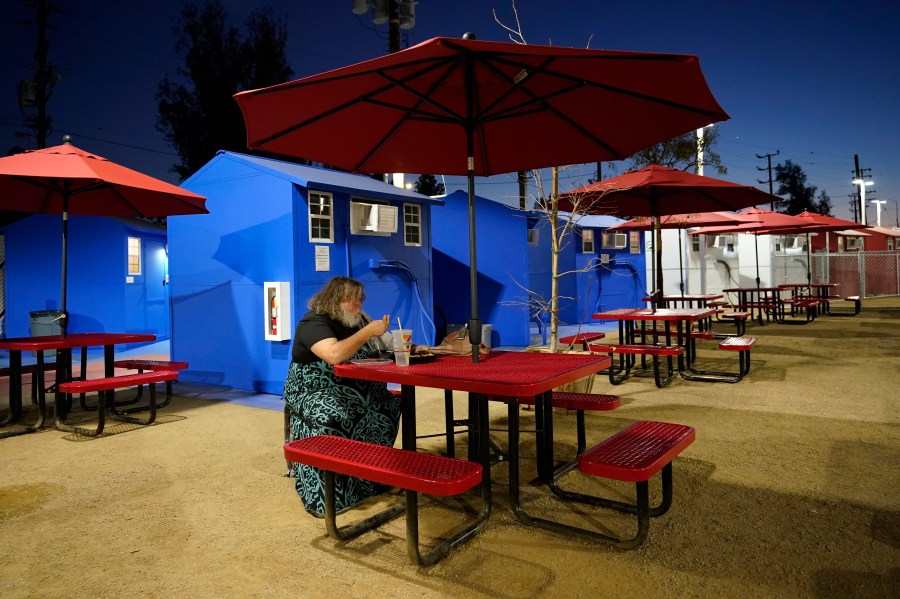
[{"x": 554, "y": 258}]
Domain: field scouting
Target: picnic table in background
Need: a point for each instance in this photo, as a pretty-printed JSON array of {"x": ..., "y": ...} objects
[{"x": 63, "y": 346}]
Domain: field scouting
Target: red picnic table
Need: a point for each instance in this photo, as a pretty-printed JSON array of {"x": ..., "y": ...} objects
[{"x": 63, "y": 347}]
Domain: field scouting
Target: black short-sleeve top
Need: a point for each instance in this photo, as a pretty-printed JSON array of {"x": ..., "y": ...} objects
[{"x": 311, "y": 329}]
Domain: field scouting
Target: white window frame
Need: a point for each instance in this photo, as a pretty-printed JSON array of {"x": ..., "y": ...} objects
[
  {"x": 412, "y": 223},
  {"x": 587, "y": 241},
  {"x": 316, "y": 201},
  {"x": 133, "y": 257}
]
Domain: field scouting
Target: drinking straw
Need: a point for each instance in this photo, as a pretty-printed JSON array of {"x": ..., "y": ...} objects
[{"x": 399, "y": 326}]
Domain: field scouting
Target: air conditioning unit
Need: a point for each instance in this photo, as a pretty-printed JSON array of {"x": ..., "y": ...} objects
[
  {"x": 615, "y": 240},
  {"x": 723, "y": 241},
  {"x": 372, "y": 219},
  {"x": 604, "y": 258}
]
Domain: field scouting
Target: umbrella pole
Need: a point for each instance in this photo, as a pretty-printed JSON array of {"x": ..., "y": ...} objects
[
  {"x": 474, "y": 321},
  {"x": 64, "y": 318},
  {"x": 808, "y": 265},
  {"x": 657, "y": 251},
  {"x": 680, "y": 264}
]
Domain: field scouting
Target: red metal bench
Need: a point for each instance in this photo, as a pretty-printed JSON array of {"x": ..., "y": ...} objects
[
  {"x": 105, "y": 389},
  {"x": 142, "y": 365},
  {"x": 409, "y": 470},
  {"x": 742, "y": 345},
  {"x": 582, "y": 339},
  {"x": 37, "y": 375},
  {"x": 617, "y": 374},
  {"x": 634, "y": 454},
  {"x": 857, "y": 306}
]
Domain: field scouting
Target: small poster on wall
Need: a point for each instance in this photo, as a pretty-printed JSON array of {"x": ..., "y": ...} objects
[{"x": 323, "y": 258}]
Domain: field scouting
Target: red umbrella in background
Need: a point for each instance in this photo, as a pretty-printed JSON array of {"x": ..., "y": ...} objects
[
  {"x": 67, "y": 180},
  {"x": 813, "y": 222},
  {"x": 476, "y": 108},
  {"x": 683, "y": 221},
  {"x": 655, "y": 191}
]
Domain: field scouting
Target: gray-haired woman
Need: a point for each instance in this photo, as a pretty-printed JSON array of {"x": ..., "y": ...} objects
[{"x": 333, "y": 331}]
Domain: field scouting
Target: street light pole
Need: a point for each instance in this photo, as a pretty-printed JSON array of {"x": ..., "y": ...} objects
[
  {"x": 862, "y": 197},
  {"x": 878, "y": 204},
  {"x": 896, "y": 213}
]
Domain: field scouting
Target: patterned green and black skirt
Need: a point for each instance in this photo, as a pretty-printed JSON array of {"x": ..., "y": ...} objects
[{"x": 323, "y": 404}]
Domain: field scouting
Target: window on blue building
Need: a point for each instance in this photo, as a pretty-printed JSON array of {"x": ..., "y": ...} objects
[
  {"x": 321, "y": 221},
  {"x": 587, "y": 241},
  {"x": 134, "y": 256},
  {"x": 412, "y": 224}
]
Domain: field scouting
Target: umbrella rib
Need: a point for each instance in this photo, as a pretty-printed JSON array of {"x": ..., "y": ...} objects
[
  {"x": 392, "y": 82},
  {"x": 422, "y": 98},
  {"x": 580, "y": 82}
]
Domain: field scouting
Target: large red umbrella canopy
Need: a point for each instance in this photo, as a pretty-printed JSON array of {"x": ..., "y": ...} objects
[
  {"x": 67, "y": 180},
  {"x": 685, "y": 221},
  {"x": 817, "y": 222},
  {"x": 477, "y": 108},
  {"x": 510, "y": 107},
  {"x": 655, "y": 191},
  {"x": 764, "y": 222}
]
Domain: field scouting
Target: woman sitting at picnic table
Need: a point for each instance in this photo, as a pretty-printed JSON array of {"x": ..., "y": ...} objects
[{"x": 333, "y": 331}]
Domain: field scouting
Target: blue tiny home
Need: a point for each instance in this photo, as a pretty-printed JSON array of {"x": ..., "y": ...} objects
[
  {"x": 514, "y": 264},
  {"x": 611, "y": 266},
  {"x": 116, "y": 275},
  {"x": 280, "y": 222}
]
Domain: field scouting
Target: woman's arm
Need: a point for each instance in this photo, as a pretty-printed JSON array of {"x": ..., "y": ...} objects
[{"x": 334, "y": 352}]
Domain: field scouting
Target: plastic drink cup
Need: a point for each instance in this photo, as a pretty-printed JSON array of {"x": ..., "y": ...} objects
[{"x": 402, "y": 346}]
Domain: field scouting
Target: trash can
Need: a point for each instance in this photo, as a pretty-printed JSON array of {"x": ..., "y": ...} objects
[{"x": 46, "y": 322}]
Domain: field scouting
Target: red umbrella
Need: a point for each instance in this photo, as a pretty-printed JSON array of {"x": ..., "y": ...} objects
[
  {"x": 66, "y": 180},
  {"x": 462, "y": 106},
  {"x": 813, "y": 222},
  {"x": 655, "y": 191},
  {"x": 684, "y": 221}
]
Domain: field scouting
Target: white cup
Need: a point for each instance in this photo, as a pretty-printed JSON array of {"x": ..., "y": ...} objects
[{"x": 402, "y": 346}]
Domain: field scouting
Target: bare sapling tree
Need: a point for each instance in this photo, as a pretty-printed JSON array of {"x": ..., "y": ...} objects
[{"x": 561, "y": 231}]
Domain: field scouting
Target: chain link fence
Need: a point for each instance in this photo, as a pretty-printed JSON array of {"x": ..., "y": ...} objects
[{"x": 873, "y": 276}]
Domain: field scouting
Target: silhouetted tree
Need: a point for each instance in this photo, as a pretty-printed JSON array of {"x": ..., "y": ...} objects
[
  {"x": 823, "y": 204},
  {"x": 428, "y": 185},
  {"x": 681, "y": 153},
  {"x": 792, "y": 183},
  {"x": 199, "y": 115}
]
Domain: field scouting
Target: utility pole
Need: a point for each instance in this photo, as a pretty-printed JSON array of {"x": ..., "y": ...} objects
[
  {"x": 35, "y": 93},
  {"x": 768, "y": 157}
]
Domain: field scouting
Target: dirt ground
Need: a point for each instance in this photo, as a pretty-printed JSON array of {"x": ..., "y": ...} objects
[{"x": 790, "y": 490}]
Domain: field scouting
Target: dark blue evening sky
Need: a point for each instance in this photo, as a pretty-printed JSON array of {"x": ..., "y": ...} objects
[{"x": 817, "y": 80}]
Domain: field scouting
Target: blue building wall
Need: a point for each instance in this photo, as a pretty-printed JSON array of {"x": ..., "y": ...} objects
[
  {"x": 620, "y": 283},
  {"x": 257, "y": 231},
  {"x": 502, "y": 258},
  {"x": 100, "y": 296},
  {"x": 512, "y": 264}
]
